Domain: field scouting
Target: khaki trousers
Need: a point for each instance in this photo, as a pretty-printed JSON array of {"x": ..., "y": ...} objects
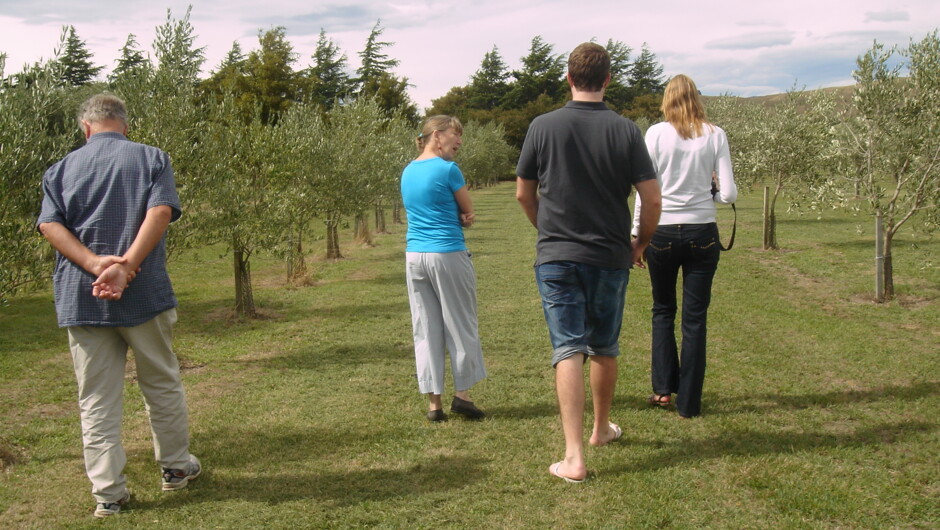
[{"x": 99, "y": 355}]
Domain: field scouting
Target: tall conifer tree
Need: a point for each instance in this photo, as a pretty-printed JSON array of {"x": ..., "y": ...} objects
[{"x": 77, "y": 68}]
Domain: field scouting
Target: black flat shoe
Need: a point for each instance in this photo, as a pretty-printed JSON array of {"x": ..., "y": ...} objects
[
  {"x": 437, "y": 415},
  {"x": 466, "y": 408}
]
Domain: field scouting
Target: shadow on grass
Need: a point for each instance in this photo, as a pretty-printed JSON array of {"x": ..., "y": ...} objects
[
  {"x": 867, "y": 243},
  {"x": 748, "y": 443},
  {"x": 392, "y": 277},
  {"x": 362, "y": 311},
  {"x": 522, "y": 412},
  {"x": 220, "y": 310},
  {"x": 830, "y": 223},
  {"x": 762, "y": 402},
  {"x": 340, "y": 489},
  {"x": 283, "y": 462},
  {"x": 317, "y": 357},
  {"x": 29, "y": 323}
]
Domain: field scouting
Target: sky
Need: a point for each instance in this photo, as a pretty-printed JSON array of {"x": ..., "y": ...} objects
[{"x": 742, "y": 47}]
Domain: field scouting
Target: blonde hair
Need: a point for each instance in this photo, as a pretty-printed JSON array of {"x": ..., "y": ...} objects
[
  {"x": 683, "y": 107},
  {"x": 439, "y": 122}
]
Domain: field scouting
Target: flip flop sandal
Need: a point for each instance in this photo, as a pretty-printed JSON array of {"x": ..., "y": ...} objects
[
  {"x": 554, "y": 471},
  {"x": 618, "y": 432},
  {"x": 660, "y": 400}
]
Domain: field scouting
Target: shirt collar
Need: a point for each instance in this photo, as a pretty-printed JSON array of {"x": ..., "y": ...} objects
[
  {"x": 587, "y": 105},
  {"x": 106, "y": 135}
]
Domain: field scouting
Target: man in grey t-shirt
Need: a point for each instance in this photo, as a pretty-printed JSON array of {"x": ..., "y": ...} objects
[
  {"x": 576, "y": 169},
  {"x": 106, "y": 208}
]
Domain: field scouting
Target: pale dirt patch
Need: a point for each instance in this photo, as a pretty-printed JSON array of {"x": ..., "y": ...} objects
[
  {"x": 9, "y": 456},
  {"x": 844, "y": 385},
  {"x": 821, "y": 291},
  {"x": 130, "y": 369},
  {"x": 364, "y": 274},
  {"x": 914, "y": 302},
  {"x": 306, "y": 280}
]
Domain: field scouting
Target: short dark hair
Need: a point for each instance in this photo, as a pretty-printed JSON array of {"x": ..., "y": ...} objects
[{"x": 589, "y": 66}]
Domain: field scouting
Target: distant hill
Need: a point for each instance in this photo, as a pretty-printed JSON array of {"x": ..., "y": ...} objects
[{"x": 843, "y": 95}]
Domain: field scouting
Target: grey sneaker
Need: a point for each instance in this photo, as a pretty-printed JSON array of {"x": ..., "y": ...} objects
[
  {"x": 174, "y": 479},
  {"x": 107, "y": 509}
]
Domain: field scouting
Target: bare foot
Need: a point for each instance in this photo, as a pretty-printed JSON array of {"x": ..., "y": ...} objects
[
  {"x": 568, "y": 473},
  {"x": 613, "y": 432}
]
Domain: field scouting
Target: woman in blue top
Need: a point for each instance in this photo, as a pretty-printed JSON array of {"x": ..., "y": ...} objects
[{"x": 440, "y": 275}]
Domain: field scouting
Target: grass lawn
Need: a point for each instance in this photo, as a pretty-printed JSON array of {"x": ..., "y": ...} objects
[{"x": 820, "y": 407}]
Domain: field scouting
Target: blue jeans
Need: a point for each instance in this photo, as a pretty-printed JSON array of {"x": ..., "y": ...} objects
[
  {"x": 693, "y": 248},
  {"x": 583, "y": 307}
]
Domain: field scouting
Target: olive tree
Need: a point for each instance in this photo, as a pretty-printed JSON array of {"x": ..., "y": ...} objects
[
  {"x": 396, "y": 148},
  {"x": 484, "y": 156},
  {"x": 307, "y": 157},
  {"x": 35, "y": 131},
  {"x": 161, "y": 103},
  {"x": 894, "y": 139},
  {"x": 237, "y": 187},
  {"x": 787, "y": 145},
  {"x": 356, "y": 134}
]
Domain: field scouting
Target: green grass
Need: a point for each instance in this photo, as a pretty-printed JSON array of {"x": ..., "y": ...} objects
[{"x": 820, "y": 406}]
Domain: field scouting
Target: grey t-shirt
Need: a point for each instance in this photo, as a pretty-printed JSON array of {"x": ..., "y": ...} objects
[
  {"x": 101, "y": 193},
  {"x": 586, "y": 158}
]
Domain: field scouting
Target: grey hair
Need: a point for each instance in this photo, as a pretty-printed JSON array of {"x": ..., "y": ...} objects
[{"x": 102, "y": 107}]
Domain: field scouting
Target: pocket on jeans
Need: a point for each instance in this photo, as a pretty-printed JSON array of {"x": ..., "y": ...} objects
[
  {"x": 706, "y": 248},
  {"x": 555, "y": 281},
  {"x": 658, "y": 250},
  {"x": 555, "y": 270}
]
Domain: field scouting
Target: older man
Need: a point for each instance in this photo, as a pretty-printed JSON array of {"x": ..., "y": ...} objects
[
  {"x": 106, "y": 209},
  {"x": 576, "y": 169}
]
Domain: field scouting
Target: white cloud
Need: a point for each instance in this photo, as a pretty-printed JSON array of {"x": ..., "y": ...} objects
[
  {"x": 887, "y": 16},
  {"x": 736, "y": 45},
  {"x": 751, "y": 41}
]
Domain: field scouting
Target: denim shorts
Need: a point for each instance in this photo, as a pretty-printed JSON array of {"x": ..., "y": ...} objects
[{"x": 583, "y": 307}]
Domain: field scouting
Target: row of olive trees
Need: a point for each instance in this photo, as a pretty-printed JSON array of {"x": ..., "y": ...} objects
[
  {"x": 33, "y": 135},
  {"x": 786, "y": 146},
  {"x": 879, "y": 155},
  {"x": 247, "y": 182}
]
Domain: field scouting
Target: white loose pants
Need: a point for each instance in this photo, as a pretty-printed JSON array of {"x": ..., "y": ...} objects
[
  {"x": 442, "y": 293},
  {"x": 99, "y": 355}
]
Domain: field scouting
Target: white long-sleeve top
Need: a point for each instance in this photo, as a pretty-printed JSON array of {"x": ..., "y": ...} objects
[{"x": 684, "y": 170}]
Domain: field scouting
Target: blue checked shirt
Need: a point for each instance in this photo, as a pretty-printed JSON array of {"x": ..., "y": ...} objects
[{"x": 101, "y": 193}]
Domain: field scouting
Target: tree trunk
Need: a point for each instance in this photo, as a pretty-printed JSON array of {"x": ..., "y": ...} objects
[
  {"x": 244, "y": 298},
  {"x": 888, "y": 267},
  {"x": 380, "y": 227},
  {"x": 296, "y": 266},
  {"x": 770, "y": 221},
  {"x": 332, "y": 238},
  {"x": 765, "y": 233},
  {"x": 879, "y": 258},
  {"x": 772, "y": 231},
  {"x": 362, "y": 233},
  {"x": 396, "y": 213}
]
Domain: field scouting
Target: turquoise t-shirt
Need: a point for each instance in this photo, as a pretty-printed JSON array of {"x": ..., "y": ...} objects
[{"x": 427, "y": 191}]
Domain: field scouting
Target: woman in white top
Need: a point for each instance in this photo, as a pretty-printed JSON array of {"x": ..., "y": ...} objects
[{"x": 689, "y": 154}]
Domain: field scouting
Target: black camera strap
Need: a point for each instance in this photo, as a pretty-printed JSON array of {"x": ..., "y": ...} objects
[{"x": 734, "y": 228}]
